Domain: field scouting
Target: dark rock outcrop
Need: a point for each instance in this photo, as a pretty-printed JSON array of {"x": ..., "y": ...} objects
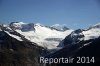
[
  {"x": 75, "y": 37},
  {"x": 90, "y": 48}
]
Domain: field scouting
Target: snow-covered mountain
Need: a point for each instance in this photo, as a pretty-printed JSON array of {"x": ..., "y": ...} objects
[
  {"x": 93, "y": 32},
  {"x": 82, "y": 35},
  {"x": 75, "y": 37},
  {"x": 79, "y": 43},
  {"x": 26, "y": 42},
  {"x": 50, "y": 36},
  {"x": 45, "y": 36}
]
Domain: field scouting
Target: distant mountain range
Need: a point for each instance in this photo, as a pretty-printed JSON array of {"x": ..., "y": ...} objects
[{"x": 23, "y": 43}]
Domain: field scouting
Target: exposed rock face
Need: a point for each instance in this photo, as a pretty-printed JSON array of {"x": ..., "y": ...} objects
[
  {"x": 19, "y": 53},
  {"x": 75, "y": 37}
]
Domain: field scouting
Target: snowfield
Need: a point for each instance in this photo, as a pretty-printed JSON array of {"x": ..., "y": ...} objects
[
  {"x": 93, "y": 32},
  {"x": 42, "y": 33}
]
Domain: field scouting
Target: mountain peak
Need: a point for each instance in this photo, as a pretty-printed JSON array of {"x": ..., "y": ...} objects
[
  {"x": 38, "y": 24},
  {"x": 22, "y": 26},
  {"x": 17, "y": 23},
  {"x": 78, "y": 31},
  {"x": 59, "y": 27},
  {"x": 95, "y": 26}
]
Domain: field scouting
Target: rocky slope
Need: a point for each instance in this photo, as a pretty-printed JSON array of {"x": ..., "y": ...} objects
[
  {"x": 79, "y": 43},
  {"x": 89, "y": 48},
  {"x": 19, "y": 53}
]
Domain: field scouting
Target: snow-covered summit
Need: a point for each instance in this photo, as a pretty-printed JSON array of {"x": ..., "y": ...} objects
[
  {"x": 31, "y": 26},
  {"x": 59, "y": 27},
  {"x": 95, "y": 26},
  {"x": 22, "y": 26},
  {"x": 83, "y": 35},
  {"x": 38, "y": 24},
  {"x": 78, "y": 35},
  {"x": 73, "y": 38},
  {"x": 17, "y": 25},
  {"x": 93, "y": 32}
]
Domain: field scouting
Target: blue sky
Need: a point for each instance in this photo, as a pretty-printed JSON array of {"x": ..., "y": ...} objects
[{"x": 74, "y": 13}]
